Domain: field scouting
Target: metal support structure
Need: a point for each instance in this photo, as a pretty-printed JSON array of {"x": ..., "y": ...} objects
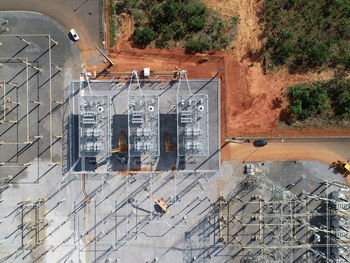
[
  {"x": 9, "y": 100},
  {"x": 192, "y": 121},
  {"x": 279, "y": 221},
  {"x": 50, "y": 97},
  {"x": 25, "y": 60},
  {"x": 25, "y": 41},
  {"x": 94, "y": 123},
  {"x": 143, "y": 123}
]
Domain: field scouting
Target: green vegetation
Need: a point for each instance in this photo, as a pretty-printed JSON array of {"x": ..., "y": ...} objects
[
  {"x": 181, "y": 23},
  {"x": 304, "y": 35},
  {"x": 112, "y": 24},
  {"x": 308, "y": 100},
  {"x": 315, "y": 99},
  {"x": 144, "y": 36}
]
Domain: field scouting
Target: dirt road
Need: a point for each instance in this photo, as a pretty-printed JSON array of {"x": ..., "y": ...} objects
[
  {"x": 254, "y": 100},
  {"x": 326, "y": 152},
  {"x": 160, "y": 61}
]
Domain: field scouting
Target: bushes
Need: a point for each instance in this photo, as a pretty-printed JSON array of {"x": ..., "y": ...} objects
[
  {"x": 308, "y": 100},
  {"x": 195, "y": 23},
  {"x": 144, "y": 36},
  {"x": 178, "y": 22},
  {"x": 197, "y": 46},
  {"x": 112, "y": 24},
  {"x": 304, "y": 35},
  {"x": 339, "y": 92}
]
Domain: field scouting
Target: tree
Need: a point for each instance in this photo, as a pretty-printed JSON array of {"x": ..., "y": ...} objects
[
  {"x": 144, "y": 36},
  {"x": 296, "y": 107},
  {"x": 319, "y": 53},
  {"x": 308, "y": 100},
  {"x": 195, "y": 23},
  {"x": 197, "y": 46},
  {"x": 121, "y": 6},
  {"x": 194, "y": 8},
  {"x": 339, "y": 91}
]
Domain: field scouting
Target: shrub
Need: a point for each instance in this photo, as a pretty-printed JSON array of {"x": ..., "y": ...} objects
[
  {"x": 339, "y": 91},
  {"x": 167, "y": 23},
  {"x": 308, "y": 100},
  {"x": 112, "y": 24},
  {"x": 121, "y": 6},
  {"x": 197, "y": 46},
  {"x": 195, "y": 23},
  {"x": 144, "y": 36},
  {"x": 306, "y": 35}
]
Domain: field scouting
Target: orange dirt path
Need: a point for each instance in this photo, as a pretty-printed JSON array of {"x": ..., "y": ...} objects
[
  {"x": 249, "y": 108},
  {"x": 248, "y": 94},
  {"x": 160, "y": 61},
  {"x": 325, "y": 152}
]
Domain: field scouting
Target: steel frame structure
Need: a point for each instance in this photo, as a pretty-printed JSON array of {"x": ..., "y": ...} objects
[
  {"x": 279, "y": 217},
  {"x": 143, "y": 126},
  {"x": 136, "y": 94},
  {"x": 192, "y": 125},
  {"x": 8, "y": 100},
  {"x": 25, "y": 60},
  {"x": 94, "y": 126},
  {"x": 192, "y": 122}
]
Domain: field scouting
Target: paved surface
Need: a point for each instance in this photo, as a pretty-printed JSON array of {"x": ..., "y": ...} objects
[
  {"x": 122, "y": 223},
  {"x": 98, "y": 217},
  {"x": 40, "y": 178},
  {"x": 83, "y": 15},
  {"x": 282, "y": 205},
  {"x": 32, "y": 86},
  {"x": 326, "y": 152}
]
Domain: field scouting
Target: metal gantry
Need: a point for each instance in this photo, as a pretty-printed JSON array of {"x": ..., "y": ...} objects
[
  {"x": 192, "y": 122},
  {"x": 12, "y": 102},
  {"x": 283, "y": 225},
  {"x": 95, "y": 127},
  {"x": 143, "y": 122},
  {"x": 143, "y": 134},
  {"x": 24, "y": 104},
  {"x": 143, "y": 125}
]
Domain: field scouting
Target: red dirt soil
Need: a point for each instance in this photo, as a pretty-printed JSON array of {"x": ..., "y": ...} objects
[
  {"x": 325, "y": 152},
  {"x": 250, "y": 107},
  {"x": 248, "y": 95}
]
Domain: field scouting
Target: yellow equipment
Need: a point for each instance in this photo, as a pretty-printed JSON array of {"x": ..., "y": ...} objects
[
  {"x": 122, "y": 145},
  {"x": 161, "y": 203},
  {"x": 342, "y": 167},
  {"x": 164, "y": 206},
  {"x": 168, "y": 145}
]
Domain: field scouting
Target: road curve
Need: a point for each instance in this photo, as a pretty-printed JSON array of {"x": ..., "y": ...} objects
[{"x": 55, "y": 10}]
